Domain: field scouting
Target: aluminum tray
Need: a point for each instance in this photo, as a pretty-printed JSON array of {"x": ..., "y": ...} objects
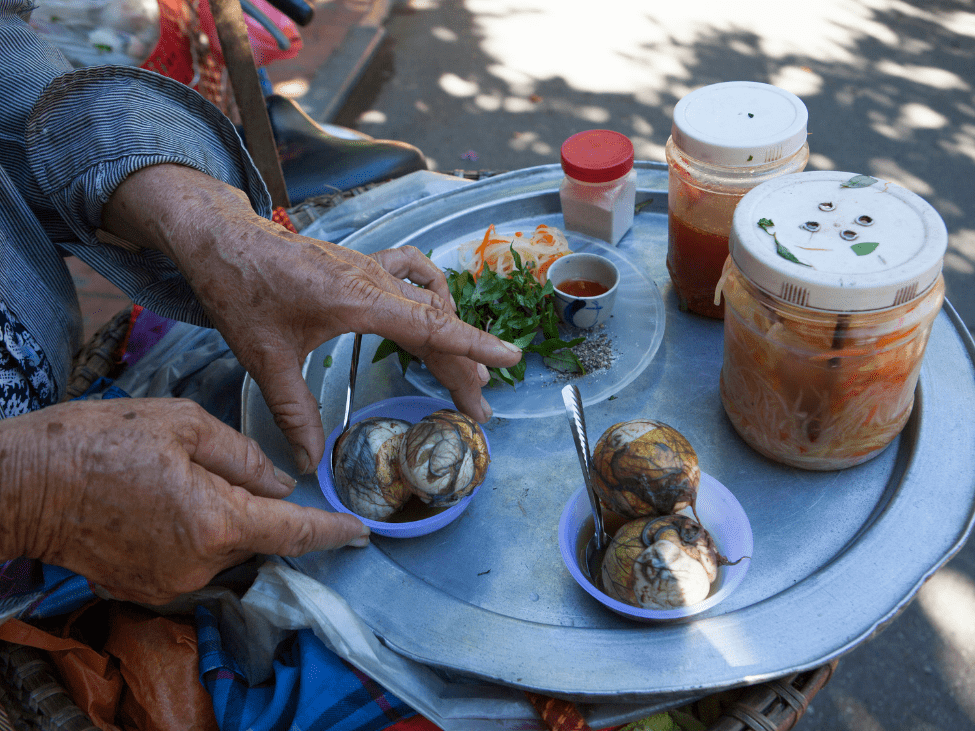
[{"x": 837, "y": 555}]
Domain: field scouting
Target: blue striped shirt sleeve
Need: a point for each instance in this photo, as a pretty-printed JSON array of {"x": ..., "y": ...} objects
[
  {"x": 69, "y": 137},
  {"x": 93, "y": 127}
]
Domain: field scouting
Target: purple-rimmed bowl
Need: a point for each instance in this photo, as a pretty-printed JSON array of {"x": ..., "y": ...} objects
[{"x": 411, "y": 409}]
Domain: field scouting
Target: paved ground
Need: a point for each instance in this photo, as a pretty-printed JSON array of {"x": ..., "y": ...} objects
[{"x": 499, "y": 85}]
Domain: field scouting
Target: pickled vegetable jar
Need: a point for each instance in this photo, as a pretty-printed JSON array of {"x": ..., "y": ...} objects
[
  {"x": 726, "y": 139},
  {"x": 830, "y": 291}
]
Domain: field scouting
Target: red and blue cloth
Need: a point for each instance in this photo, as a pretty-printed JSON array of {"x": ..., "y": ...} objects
[{"x": 310, "y": 687}]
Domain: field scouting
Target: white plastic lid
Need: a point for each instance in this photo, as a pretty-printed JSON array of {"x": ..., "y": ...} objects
[
  {"x": 740, "y": 124},
  {"x": 856, "y": 248}
]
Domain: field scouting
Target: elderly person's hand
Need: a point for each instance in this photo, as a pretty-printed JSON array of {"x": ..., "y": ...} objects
[
  {"x": 149, "y": 498},
  {"x": 276, "y": 296}
]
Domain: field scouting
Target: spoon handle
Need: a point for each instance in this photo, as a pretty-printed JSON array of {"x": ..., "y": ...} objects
[
  {"x": 577, "y": 423},
  {"x": 353, "y": 369}
]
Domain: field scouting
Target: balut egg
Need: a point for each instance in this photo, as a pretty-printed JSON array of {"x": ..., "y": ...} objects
[
  {"x": 661, "y": 563},
  {"x": 367, "y": 476},
  {"x": 444, "y": 457},
  {"x": 645, "y": 468}
]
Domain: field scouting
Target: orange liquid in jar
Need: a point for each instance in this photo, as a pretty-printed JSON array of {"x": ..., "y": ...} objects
[
  {"x": 695, "y": 259},
  {"x": 582, "y": 288}
]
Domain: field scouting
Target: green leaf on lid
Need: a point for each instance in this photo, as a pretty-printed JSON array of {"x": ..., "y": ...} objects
[
  {"x": 864, "y": 247},
  {"x": 786, "y": 254},
  {"x": 327, "y": 362},
  {"x": 859, "y": 181},
  {"x": 766, "y": 224}
]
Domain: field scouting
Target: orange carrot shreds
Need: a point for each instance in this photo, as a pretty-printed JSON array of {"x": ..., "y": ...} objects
[{"x": 537, "y": 251}]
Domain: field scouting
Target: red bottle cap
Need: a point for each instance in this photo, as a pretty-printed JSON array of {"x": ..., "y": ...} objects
[{"x": 597, "y": 156}]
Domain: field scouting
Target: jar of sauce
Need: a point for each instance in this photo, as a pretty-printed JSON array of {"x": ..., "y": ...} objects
[
  {"x": 598, "y": 193},
  {"x": 830, "y": 294},
  {"x": 726, "y": 139}
]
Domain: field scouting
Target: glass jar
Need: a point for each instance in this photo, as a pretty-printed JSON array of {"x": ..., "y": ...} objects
[
  {"x": 830, "y": 294},
  {"x": 726, "y": 139},
  {"x": 598, "y": 193}
]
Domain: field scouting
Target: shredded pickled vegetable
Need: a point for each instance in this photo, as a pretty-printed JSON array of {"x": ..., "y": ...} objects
[
  {"x": 800, "y": 394},
  {"x": 537, "y": 251}
]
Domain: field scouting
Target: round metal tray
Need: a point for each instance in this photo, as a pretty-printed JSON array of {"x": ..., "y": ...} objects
[{"x": 837, "y": 554}]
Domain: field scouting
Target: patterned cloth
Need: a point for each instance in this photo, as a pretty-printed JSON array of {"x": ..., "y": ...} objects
[
  {"x": 25, "y": 373},
  {"x": 311, "y": 688}
]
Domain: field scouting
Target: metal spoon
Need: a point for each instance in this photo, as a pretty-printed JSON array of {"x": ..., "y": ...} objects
[
  {"x": 597, "y": 545},
  {"x": 356, "y": 345}
]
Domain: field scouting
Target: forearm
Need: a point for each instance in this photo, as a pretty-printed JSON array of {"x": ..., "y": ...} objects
[
  {"x": 175, "y": 210},
  {"x": 26, "y": 497}
]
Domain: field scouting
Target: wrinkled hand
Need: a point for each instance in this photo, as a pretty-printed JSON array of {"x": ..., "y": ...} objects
[
  {"x": 149, "y": 498},
  {"x": 276, "y": 296}
]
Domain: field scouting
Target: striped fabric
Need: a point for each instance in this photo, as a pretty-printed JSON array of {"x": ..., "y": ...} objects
[
  {"x": 67, "y": 139},
  {"x": 311, "y": 688}
]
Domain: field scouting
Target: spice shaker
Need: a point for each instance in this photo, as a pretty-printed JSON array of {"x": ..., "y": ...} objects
[
  {"x": 598, "y": 193},
  {"x": 726, "y": 139},
  {"x": 830, "y": 291}
]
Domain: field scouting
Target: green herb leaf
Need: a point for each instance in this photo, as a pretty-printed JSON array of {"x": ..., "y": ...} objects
[
  {"x": 514, "y": 308},
  {"x": 327, "y": 362},
  {"x": 859, "y": 181},
  {"x": 562, "y": 364},
  {"x": 766, "y": 224},
  {"x": 786, "y": 254},
  {"x": 404, "y": 359},
  {"x": 642, "y": 204},
  {"x": 385, "y": 349},
  {"x": 864, "y": 247}
]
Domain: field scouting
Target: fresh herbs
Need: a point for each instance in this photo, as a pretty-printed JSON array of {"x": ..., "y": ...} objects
[{"x": 515, "y": 308}]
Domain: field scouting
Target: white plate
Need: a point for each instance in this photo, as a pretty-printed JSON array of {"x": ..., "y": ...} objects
[{"x": 636, "y": 330}]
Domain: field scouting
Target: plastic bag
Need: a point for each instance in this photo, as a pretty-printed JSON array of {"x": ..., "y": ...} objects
[
  {"x": 96, "y": 32},
  {"x": 125, "y": 667}
]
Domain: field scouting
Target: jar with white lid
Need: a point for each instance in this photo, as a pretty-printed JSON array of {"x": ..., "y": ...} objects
[
  {"x": 598, "y": 193},
  {"x": 830, "y": 291},
  {"x": 726, "y": 139}
]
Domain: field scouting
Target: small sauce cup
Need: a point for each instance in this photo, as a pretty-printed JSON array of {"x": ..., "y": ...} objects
[{"x": 585, "y": 289}]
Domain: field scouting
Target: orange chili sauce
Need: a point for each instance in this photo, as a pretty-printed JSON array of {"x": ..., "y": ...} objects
[{"x": 695, "y": 260}]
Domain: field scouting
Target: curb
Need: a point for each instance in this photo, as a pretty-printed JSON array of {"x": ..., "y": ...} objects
[{"x": 335, "y": 80}]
